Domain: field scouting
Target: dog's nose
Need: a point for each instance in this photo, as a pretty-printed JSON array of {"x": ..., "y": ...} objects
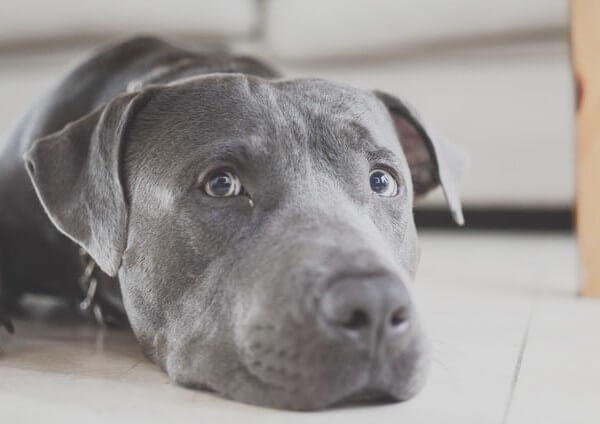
[{"x": 367, "y": 308}]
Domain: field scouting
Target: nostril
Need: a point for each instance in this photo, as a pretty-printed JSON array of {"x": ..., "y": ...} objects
[
  {"x": 399, "y": 318},
  {"x": 358, "y": 319},
  {"x": 366, "y": 306}
]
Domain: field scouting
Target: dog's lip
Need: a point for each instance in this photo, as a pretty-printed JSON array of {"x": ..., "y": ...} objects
[
  {"x": 304, "y": 404},
  {"x": 368, "y": 392}
]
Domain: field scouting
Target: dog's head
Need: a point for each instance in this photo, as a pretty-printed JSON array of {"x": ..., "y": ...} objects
[{"x": 262, "y": 231}]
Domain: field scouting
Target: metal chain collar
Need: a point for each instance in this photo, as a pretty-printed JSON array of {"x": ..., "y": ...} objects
[{"x": 89, "y": 284}]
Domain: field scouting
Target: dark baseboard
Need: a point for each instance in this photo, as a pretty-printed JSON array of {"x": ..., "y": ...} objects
[{"x": 499, "y": 219}]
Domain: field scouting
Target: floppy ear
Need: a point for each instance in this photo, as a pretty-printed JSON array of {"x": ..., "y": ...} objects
[
  {"x": 432, "y": 160},
  {"x": 75, "y": 172}
]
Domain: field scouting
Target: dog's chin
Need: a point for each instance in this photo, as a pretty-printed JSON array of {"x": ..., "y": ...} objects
[
  {"x": 356, "y": 387},
  {"x": 280, "y": 373},
  {"x": 262, "y": 394},
  {"x": 304, "y": 396}
]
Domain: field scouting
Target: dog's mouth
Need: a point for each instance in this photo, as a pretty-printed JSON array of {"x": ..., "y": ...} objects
[
  {"x": 350, "y": 381},
  {"x": 290, "y": 373},
  {"x": 302, "y": 396}
]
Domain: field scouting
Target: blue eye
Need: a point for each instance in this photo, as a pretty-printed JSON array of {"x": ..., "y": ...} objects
[
  {"x": 223, "y": 184},
  {"x": 383, "y": 183}
]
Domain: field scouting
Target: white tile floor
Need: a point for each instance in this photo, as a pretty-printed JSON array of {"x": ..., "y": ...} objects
[{"x": 513, "y": 344}]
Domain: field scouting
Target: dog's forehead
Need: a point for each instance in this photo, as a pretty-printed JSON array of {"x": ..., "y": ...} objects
[
  {"x": 310, "y": 108},
  {"x": 332, "y": 106},
  {"x": 276, "y": 126}
]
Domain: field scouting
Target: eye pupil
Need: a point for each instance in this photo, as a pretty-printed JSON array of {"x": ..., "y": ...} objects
[
  {"x": 383, "y": 183},
  {"x": 379, "y": 182},
  {"x": 220, "y": 185},
  {"x": 223, "y": 184}
]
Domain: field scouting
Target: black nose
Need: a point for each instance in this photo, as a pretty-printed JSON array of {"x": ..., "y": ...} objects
[{"x": 369, "y": 308}]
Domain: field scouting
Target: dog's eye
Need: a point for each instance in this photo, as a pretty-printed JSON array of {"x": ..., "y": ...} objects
[
  {"x": 223, "y": 184},
  {"x": 383, "y": 183}
]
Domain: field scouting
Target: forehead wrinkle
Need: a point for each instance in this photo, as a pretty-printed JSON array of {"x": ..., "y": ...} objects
[
  {"x": 235, "y": 152},
  {"x": 241, "y": 153},
  {"x": 337, "y": 116},
  {"x": 338, "y": 141},
  {"x": 275, "y": 123},
  {"x": 381, "y": 154},
  {"x": 286, "y": 129}
]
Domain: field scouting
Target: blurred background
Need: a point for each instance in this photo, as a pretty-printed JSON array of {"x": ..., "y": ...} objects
[
  {"x": 512, "y": 341},
  {"x": 494, "y": 77}
]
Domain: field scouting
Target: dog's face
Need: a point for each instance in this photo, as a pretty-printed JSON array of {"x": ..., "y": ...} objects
[{"x": 262, "y": 231}]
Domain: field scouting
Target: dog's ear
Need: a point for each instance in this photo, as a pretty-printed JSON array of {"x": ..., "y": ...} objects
[
  {"x": 432, "y": 160},
  {"x": 76, "y": 174}
]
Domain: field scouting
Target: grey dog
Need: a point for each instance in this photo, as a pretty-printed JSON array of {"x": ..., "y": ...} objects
[{"x": 256, "y": 232}]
